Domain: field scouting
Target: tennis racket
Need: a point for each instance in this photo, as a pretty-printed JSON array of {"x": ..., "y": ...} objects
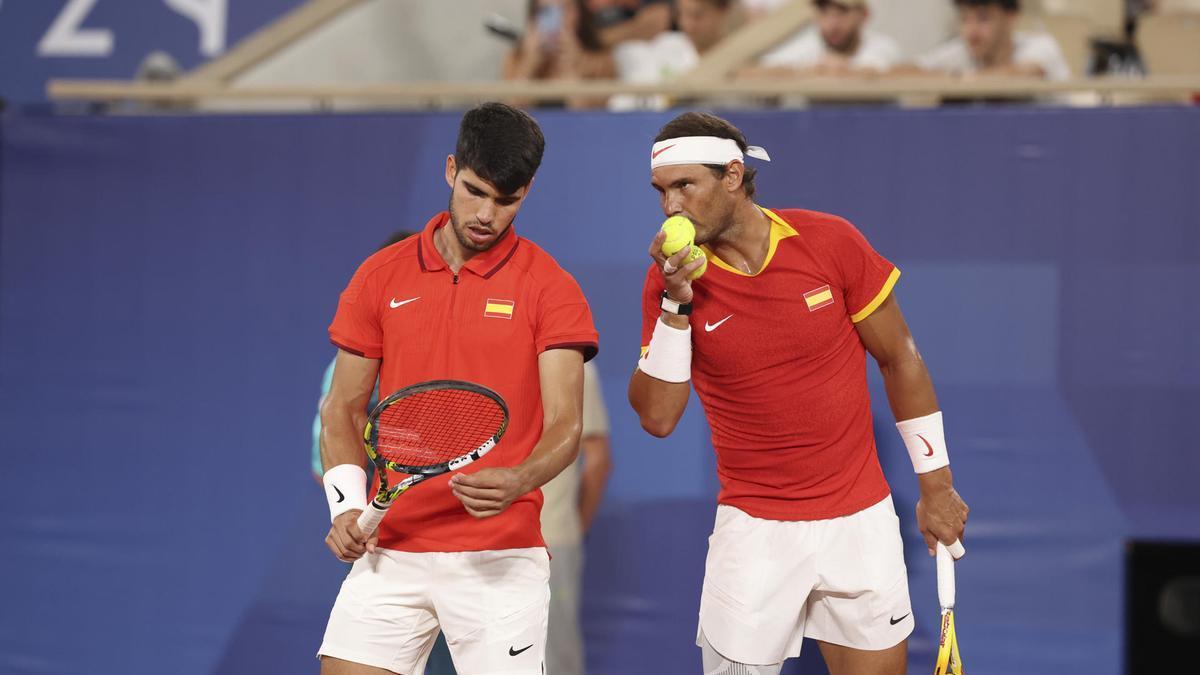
[
  {"x": 425, "y": 430},
  {"x": 948, "y": 660}
]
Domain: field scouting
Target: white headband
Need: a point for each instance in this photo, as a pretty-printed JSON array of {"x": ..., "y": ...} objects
[{"x": 701, "y": 150}]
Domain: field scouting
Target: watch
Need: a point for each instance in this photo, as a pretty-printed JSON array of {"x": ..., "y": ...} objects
[{"x": 674, "y": 306}]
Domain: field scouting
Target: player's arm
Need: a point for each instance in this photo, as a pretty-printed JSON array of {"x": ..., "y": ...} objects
[
  {"x": 343, "y": 417},
  {"x": 661, "y": 384},
  {"x": 490, "y": 491},
  {"x": 593, "y": 476},
  {"x": 941, "y": 513}
]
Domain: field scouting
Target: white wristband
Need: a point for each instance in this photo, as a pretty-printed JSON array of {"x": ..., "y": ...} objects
[
  {"x": 669, "y": 355},
  {"x": 345, "y": 489},
  {"x": 926, "y": 442}
]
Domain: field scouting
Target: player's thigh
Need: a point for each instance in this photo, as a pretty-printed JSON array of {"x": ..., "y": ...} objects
[
  {"x": 842, "y": 660},
  {"x": 862, "y": 600},
  {"x": 383, "y": 616},
  {"x": 493, "y": 607},
  {"x": 335, "y": 666}
]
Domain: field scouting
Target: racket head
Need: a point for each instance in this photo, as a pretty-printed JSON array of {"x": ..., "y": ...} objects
[{"x": 433, "y": 427}]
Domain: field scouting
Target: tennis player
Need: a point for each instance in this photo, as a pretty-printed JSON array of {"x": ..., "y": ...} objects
[
  {"x": 774, "y": 337},
  {"x": 466, "y": 299}
]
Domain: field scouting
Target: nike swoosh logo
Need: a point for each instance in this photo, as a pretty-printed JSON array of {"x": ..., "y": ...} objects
[
  {"x": 710, "y": 327},
  {"x": 896, "y": 621},
  {"x": 341, "y": 497},
  {"x": 395, "y": 304},
  {"x": 661, "y": 151},
  {"x": 514, "y": 652},
  {"x": 930, "y": 453}
]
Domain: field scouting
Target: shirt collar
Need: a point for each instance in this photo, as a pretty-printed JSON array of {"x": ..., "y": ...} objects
[{"x": 485, "y": 264}]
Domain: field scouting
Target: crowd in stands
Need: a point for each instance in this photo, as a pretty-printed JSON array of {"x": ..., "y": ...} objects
[{"x": 655, "y": 41}]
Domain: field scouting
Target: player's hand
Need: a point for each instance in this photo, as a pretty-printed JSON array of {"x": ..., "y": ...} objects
[
  {"x": 679, "y": 287},
  {"x": 488, "y": 492},
  {"x": 347, "y": 542},
  {"x": 941, "y": 513}
]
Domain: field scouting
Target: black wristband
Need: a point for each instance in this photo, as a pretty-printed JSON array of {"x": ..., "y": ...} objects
[{"x": 674, "y": 306}]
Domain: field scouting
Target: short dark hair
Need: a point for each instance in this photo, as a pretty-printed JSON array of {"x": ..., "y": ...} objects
[
  {"x": 500, "y": 143},
  {"x": 1007, "y": 5},
  {"x": 708, "y": 124}
]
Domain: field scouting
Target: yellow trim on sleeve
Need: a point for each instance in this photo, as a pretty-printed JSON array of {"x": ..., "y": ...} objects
[
  {"x": 879, "y": 297},
  {"x": 780, "y": 229},
  {"x": 645, "y": 348}
]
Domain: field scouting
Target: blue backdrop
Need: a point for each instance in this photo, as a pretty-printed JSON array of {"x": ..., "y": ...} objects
[
  {"x": 165, "y": 284},
  {"x": 44, "y": 39}
]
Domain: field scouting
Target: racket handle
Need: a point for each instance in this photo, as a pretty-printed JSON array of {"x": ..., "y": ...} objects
[
  {"x": 369, "y": 519},
  {"x": 945, "y": 574}
]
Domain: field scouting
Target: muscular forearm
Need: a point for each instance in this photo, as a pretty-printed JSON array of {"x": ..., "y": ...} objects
[
  {"x": 341, "y": 432},
  {"x": 557, "y": 448},
  {"x": 659, "y": 404},
  {"x": 909, "y": 388}
]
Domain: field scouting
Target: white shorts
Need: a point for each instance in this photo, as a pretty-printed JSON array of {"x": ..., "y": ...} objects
[
  {"x": 768, "y": 584},
  {"x": 492, "y": 606}
]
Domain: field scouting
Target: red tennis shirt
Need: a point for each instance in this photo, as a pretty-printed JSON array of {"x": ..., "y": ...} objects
[
  {"x": 781, "y": 371},
  {"x": 486, "y": 324}
]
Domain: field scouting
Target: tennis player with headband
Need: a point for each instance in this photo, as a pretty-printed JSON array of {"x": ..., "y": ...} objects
[{"x": 774, "y": 338}]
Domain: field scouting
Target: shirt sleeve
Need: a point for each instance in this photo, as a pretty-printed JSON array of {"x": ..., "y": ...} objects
[
  {"x": 651, "y": 304},
  {"x": 866, "y": 277},
  {"x": 564, "y": 318},
  {"x": 356, "y": 326}
]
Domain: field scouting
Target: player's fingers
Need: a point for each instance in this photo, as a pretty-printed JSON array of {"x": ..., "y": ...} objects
[
  {"x": 930, "y": 542},
  {"x": 956, "y": 548},
  {"x": 483, "y": 513},
  {"x": 680, "y": 255},
  {"x": 335, "y": 548},
  {"x": 372, "y": 542},
  {"x": 477, "y": 492},
  {"x": 347, "y": 542},
  {"x": 692, "y": 266},
  {"x": 656, "y": 246}
]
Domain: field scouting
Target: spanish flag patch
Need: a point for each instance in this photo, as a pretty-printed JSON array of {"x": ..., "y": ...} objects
[
  {"x": 818, "y": 298},
  {"x": 498, "y": 309}
]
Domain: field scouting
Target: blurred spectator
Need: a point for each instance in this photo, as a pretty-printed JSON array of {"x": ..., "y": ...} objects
[
  {"x": 989, "y": 44},
  {"x": 836, "y": 45},
  {"x": 572, "y": 499},
  {"x": 619, "y": 21},
  {"x": 757, "y": 9},
  {"x": 702, "y": 24},
  {"x": 560, "y": 43}
]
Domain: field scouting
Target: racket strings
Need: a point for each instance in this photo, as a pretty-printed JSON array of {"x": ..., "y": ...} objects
[{"x": 434, "y": 427}]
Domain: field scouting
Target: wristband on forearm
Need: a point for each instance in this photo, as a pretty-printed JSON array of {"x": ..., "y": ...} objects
[
  {"x": 669, "y": 355},
  {"x": 926, "y": 442},
  {"x": 345, "y": 489}
]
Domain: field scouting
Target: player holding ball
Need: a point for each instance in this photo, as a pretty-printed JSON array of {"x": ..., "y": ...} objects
[{"x": 774, "y": 337}]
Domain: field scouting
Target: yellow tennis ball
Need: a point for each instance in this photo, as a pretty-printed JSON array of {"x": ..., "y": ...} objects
[{"x": 681, "y": 232}]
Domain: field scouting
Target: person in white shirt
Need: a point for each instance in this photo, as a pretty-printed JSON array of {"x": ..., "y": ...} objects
[
  {"x": 702, "y": 24},
  {"x": 837, "y": 44},
  {"x": 989, "y": 44}
]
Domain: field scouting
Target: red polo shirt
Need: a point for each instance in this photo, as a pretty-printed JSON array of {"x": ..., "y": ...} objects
[
  {"x": 781, "y": 370},
  {"x": 486, "y": 324}
]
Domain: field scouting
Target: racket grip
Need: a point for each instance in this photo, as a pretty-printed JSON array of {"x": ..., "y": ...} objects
[
  {"x": 369, "y": 519},
  {"x": 945, "y": 574}
]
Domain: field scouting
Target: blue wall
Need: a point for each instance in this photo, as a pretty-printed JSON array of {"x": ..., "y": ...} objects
[
  {"x": 128, "y": 31},
  {"x": 165, "y": 284}
]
